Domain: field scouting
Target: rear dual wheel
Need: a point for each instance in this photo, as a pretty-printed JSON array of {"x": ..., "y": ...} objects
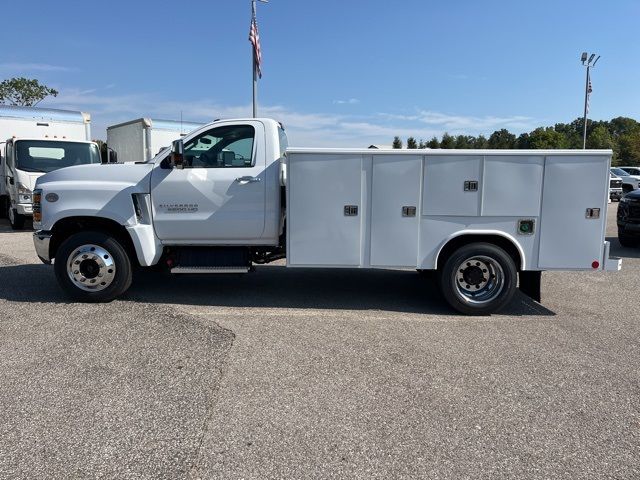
[{"x": 478, "y": 279}]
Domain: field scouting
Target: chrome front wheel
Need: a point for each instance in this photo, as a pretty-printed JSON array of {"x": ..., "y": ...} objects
[{"x": 91, "y": 268}]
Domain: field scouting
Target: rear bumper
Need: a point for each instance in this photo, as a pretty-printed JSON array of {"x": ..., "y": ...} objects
[
  {"x": 611, "y": 264},
  {"x": 41, "y": 240}
]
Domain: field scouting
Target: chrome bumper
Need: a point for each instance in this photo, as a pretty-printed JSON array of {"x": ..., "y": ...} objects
[
  {"x": 24, "y": 209},
  {"x": 41, "y": 240}
]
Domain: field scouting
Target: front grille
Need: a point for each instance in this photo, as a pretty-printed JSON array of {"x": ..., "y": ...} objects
[{"x": 615, "y": 184}]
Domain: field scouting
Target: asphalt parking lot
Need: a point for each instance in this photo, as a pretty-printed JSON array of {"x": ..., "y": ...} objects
[{"x": 317, "y": 374}]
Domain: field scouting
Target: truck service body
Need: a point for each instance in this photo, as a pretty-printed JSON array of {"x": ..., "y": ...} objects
[
  {"x": 143, "y": 138},
  {"x": 36, "y": 141},
  {"x": 231, "y": 195}
]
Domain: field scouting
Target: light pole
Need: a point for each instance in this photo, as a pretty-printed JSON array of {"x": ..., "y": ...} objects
[
  {"x": 587, "y": 90},
  {"x": 254, "y": 38}
]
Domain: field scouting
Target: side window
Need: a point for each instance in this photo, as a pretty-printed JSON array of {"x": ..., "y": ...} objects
[{"x": 222, "y": 147}]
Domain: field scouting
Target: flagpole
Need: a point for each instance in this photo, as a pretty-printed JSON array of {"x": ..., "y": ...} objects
[{"x": 255, "y": 68}]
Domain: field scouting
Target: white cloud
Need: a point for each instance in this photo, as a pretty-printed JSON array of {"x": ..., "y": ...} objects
[
  {"x": 34, "y": 67},
  {"x": 310, "y": 129},
  {"x": 465, "y": 124},
  {"x": 350, "y": 101}
]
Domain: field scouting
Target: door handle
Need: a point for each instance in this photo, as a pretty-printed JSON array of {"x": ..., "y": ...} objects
[{"x": 247, "y": 179}]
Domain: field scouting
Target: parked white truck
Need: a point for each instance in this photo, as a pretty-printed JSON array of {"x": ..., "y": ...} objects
[
  {"x": 143, "y": 138},
  {"x": 34, "y": 141},
  {"x": 231, "y": 195}
]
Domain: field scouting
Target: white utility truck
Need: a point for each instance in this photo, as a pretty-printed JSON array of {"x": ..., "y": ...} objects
[
  {"x": 143, "y": 138},
  {"x": 35, "y": 141},
  {"x": 231, "y": 195}
]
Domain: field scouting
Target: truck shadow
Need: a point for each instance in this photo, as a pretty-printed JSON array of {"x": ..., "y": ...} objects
[
  {"x": 311, "y": 288},
  {"x": 618, "y": 250},
  {"x": 268, "y": 287}
]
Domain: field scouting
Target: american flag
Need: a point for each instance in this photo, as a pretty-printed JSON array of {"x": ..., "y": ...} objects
[{"x": 254, "y": 38}]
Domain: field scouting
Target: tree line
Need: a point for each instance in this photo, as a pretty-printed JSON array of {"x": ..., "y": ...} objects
[{"x": 621, "y": 134}]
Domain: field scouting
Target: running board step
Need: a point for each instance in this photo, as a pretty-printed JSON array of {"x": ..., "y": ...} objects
[{"x": 206, "y": 269}]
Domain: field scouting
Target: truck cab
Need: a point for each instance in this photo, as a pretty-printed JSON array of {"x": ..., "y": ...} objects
[{"x": 24, "y": 160}]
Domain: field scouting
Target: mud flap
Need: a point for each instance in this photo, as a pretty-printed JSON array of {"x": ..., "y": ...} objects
[{"x": 530, "y": 284}]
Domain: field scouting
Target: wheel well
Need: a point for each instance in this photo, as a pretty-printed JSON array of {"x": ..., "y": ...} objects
[
  {"x": 66, "y": 227},
  {"x": 497, "y": 240}
]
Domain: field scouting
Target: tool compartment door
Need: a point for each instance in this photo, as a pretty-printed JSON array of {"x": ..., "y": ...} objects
[
  {"x": 324, "y": 209},
  {"x": 395, "y": 210},
  {"x": 573, "y": 184}
]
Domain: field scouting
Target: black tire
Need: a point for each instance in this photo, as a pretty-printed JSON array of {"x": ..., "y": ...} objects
[
  {"x": 4, "y": 207},
  {"x": 626, "y": 188},
  {"x": 498, "y": 287},
  {"x": 627, "y": 240},
  {"x": 15, "y": 219},
  {"x": 120, "y": 281}
]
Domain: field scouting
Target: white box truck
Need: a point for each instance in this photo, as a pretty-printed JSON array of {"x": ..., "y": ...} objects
[
  {"x": 142, "y": 139},
  {"x": 231, "y": 195},
  {"x": 34, "y": 141}
]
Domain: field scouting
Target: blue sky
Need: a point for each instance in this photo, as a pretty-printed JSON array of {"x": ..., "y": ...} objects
[{"x": 337, "y": 73}]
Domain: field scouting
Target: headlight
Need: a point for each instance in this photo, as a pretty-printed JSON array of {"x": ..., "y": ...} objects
[
  {"x": 624, "y": 200},
  {"x": 24, "y": 193}
]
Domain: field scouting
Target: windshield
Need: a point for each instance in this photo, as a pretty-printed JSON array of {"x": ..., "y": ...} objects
[
  {"x": 45, "y": 156},
  {"x": 619, "y": 172}
]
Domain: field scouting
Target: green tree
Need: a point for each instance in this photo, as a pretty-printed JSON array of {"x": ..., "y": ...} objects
[
  {"x": 463, "y": 141},
  {"x": 397, "y": 143},
  {"x": 546, "y": 138},
  {"x": 411, "y": 143},
  {"x": 422, "y": 144},
  {"x": 629, "y": 145},
  {"x": 24, "y": 92},
  {"x": 433, "y": 143},
  {"x": 480, "y": 142},
  {"x": 600, "y": 138},
  {"x": 572, "y": 132},
  {"x": 502, "y": 139},
  {"x": 523, "y": 141},
  {"x": 447, "y": 141}
]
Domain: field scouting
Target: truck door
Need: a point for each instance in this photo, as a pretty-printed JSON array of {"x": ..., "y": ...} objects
[{"x": 219, "y": 195}]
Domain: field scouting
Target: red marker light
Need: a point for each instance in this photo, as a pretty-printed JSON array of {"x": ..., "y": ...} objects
[{"x": 595, "y": 264}]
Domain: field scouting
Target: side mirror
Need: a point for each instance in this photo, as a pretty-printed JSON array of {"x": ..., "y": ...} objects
[
  {"x": 112, "y": 156},
  {"x": 177, "y": 154}
]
